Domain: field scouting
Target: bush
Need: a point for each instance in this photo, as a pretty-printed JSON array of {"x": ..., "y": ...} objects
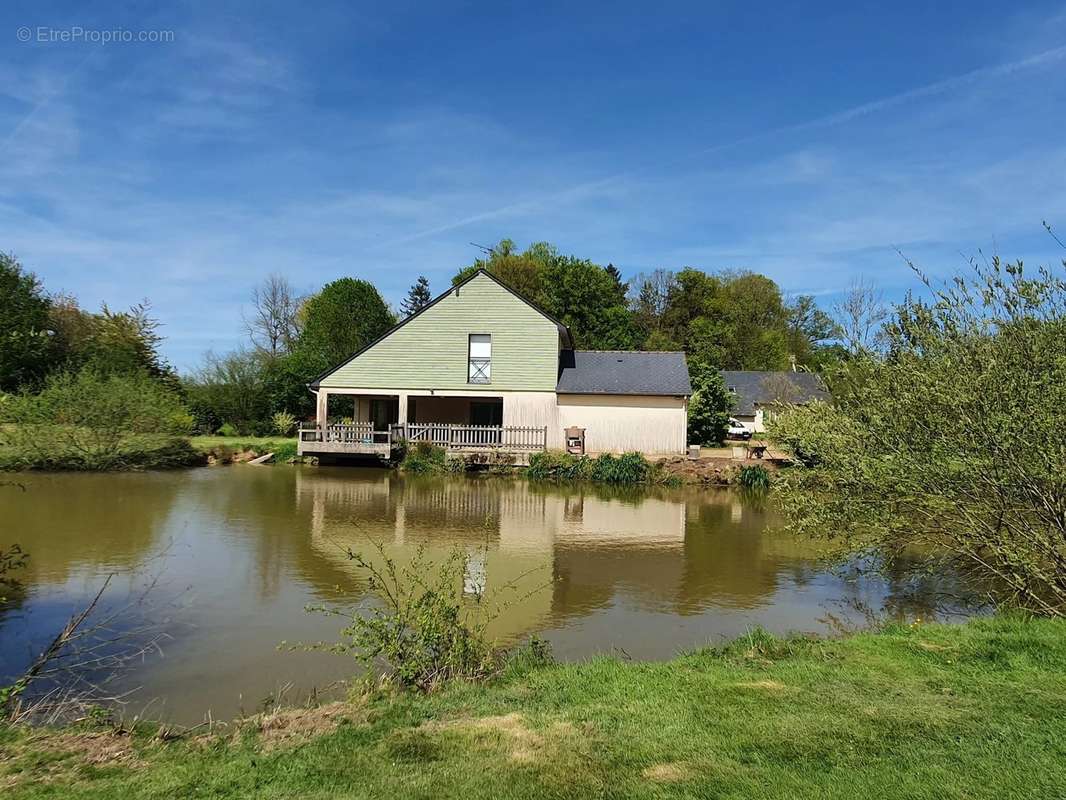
[
  {"x": 89, "y": 420},
  {"x": 423, "y": 631},
  {"x": 607, "y": 468},
  {"x": 754, "y": 477},
  {"x": 228, "y": 429},
  {"x": 283, "y": 423},
  {"x": 627, "y": 468},
  {"x": 558, "y": 465},
  {"x": 951, "y": 442},
  {"x": 425, "y": 458},
  {"x": 285, "y": 452}
]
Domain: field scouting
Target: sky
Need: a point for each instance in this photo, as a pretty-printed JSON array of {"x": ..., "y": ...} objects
[{"x": 814, "y": 143}]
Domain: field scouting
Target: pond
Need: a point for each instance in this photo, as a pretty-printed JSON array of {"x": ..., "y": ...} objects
[{"x": 223, "y": 561}]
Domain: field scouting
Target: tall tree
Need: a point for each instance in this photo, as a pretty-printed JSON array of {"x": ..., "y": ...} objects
[
  {"x": 648, "y": 298},
  {"x": 588, "y": 298},
  {"x": 621, "y": 287},
  {"x": 418, "y": 297},
  {"x": 585, "y": 297},
  {"x": 808, "y": 328},
  {"x": 27, "y": 351},
  {"x": 709, "y": 406},
  {"x": 523, "y": 272},
  {"x": 861, "y": 315},
  {"x": 343, "y": 317},
  {"x": 128, "y": 341},
  {"x": 273, "y": 325}
]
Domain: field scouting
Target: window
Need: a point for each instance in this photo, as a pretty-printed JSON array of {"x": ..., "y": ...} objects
[{"x": 480, "y": 370}]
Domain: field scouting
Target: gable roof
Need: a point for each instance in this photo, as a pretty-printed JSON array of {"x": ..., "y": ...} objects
[
  {"x": 757, "y": 388},
  {"x": 622, "y": 372},
  {"x": 564, "y": 331}
]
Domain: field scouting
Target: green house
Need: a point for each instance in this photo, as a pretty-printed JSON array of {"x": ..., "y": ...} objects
[{"x": 482, "y": 368}]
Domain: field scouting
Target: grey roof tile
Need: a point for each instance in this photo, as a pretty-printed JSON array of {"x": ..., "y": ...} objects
[
  {"x": 765, "y": 388},
  {"x": 622, "y": 372}
]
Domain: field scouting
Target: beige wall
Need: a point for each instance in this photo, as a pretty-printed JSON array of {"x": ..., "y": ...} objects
[{"x": 617, "y": 423}]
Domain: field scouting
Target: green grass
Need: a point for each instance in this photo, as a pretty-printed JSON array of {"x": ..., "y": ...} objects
[
  {"x": 972, "y": 711},
  {"x": 136, "y": 451},
  {"x": 265, "y": 444}
]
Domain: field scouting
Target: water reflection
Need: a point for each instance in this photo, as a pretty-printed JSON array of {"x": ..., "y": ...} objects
[{"x": 242, "y": 550}]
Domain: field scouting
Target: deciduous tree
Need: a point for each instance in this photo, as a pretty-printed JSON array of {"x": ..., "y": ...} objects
[
  {"x": 950, "y": 444},
  {"x": 27, "y": 350},
  {"x": 273, "y": 325},
  {"x": 343, "y": 317}
]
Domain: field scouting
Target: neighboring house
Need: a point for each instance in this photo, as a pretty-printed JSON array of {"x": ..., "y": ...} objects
[
  {"x": 761, "y": 394},
  {"x": 481, "y": 367}
]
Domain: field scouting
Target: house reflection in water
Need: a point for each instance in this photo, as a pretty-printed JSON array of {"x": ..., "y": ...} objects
[{"x": 545, "y": 554}]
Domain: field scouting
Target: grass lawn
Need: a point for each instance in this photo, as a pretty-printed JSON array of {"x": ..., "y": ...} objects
[
  {"x": 206, "y": 444},
  {"x": 972, "y": 711}
]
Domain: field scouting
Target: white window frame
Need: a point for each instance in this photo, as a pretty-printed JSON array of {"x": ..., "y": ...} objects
[{"x": 479, "y": 359}]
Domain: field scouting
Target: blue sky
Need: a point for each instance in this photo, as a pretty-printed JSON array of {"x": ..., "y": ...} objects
[{"x": 329, "y": 139}]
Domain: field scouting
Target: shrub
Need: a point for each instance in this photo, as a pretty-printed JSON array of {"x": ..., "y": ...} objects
[
  {"x": 283, "y": 423},
  {"x": 950, "y": 443},
  {"x": 424, "y": 458},
  {"x": 558, "y": 465},
  {"x": 90, "y": 420},
  {"x": 754, "y": 477},
  {"x": 228, "y": 429},
  {"x": 284, "y": 452},
  {"x": 607, "y": 468},
  {"x": 627, "y": 468},
  {"x": 422, "y": 631}
]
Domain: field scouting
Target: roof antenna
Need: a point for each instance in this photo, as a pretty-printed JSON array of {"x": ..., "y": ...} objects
[{"x": 490, "y": 250}]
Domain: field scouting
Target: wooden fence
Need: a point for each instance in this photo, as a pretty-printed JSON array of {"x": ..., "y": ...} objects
[{"x": 472, "y": 437}]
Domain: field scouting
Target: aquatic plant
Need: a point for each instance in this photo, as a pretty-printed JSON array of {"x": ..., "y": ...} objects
[{"x": 754, "y": 477}]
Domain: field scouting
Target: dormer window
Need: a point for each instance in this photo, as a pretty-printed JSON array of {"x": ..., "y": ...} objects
[{"x": 480, "y": 369}]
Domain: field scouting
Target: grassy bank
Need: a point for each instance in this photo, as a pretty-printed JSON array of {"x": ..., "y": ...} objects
[
  {"x": 132, "y": 452},
  {"x": 973, "y": 711},
  {"x": 213, "y": 445}
]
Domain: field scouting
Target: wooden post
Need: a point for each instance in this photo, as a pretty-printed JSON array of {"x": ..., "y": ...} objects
[{"x": 322, "y": 408}]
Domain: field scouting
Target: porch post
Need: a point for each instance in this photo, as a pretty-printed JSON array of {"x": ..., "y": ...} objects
[
  {"x": 401, "y": 414},
  {"x": 321, "y": 408}
]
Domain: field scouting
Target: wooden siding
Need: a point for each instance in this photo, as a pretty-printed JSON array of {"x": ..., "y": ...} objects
[
  {"x": 430, "y": 351},
  {"x": 617, "y": 423}
]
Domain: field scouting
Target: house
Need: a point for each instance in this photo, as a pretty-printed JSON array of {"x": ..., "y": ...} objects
[
  {"x": 481, "y": 368},
  {"x": 760, "y": 394}
]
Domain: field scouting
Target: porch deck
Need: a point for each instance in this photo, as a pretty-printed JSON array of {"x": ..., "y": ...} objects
[{"x": 360, "y": 438}]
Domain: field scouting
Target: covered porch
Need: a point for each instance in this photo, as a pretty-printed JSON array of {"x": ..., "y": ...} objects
[{"x": 373, "y": 422}]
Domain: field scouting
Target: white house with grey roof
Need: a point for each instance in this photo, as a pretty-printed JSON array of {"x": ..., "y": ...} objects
[
  {"x": 482, "y": 368},
  {"x": 759, "y": 395}
]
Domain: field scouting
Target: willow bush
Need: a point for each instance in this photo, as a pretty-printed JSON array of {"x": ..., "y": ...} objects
[
  {"x": 95, "y": 421},
  {"x": 952, "y": 441}
]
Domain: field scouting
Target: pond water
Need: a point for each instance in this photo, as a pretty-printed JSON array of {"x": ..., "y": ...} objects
[{"x": 226, "y": 559}]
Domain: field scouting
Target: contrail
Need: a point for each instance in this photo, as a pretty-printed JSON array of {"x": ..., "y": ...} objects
[
  {"x": 837, "y": 118},
  {"x": 45, "y": 101}
]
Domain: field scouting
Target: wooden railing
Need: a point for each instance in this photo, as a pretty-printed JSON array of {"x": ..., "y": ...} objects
[
  {"x": 345, "y": 433},
  {"x": 464, "y": 437},
  {"x": 441, "y": 434}
]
